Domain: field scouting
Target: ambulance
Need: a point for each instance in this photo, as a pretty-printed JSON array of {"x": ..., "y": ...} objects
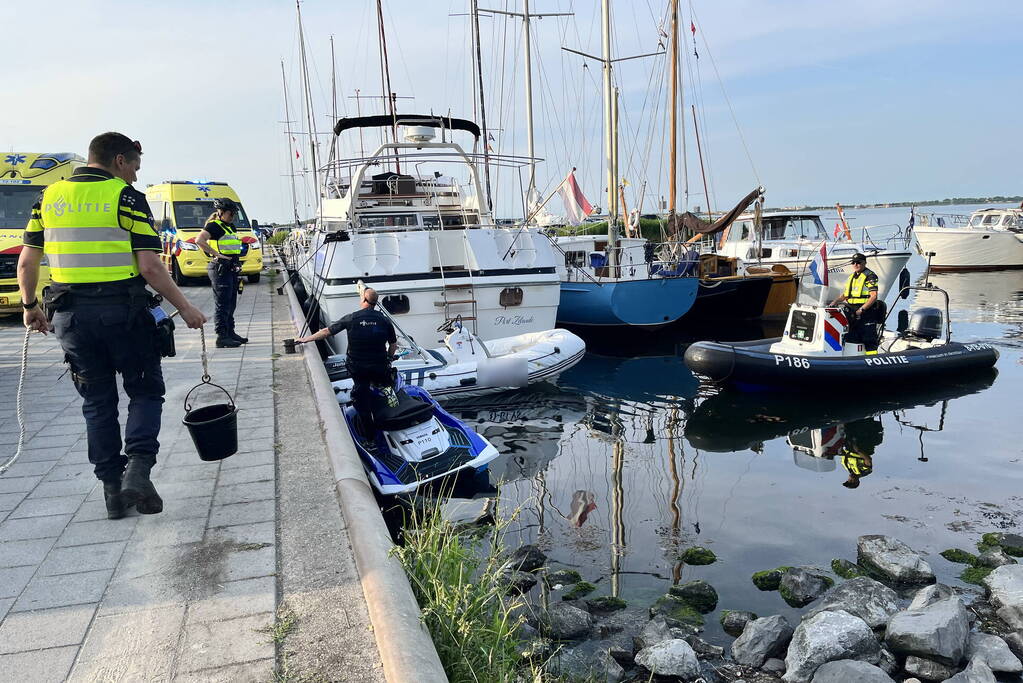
[
  {"x": 180, "y": 211},
  {"x": 23, "y": 176}
]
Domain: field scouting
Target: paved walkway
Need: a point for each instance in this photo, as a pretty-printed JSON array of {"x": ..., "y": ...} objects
[{"x": 186, "y": 595}]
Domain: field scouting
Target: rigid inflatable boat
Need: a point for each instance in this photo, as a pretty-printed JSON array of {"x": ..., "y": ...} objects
[{"x": 813, "y": 350}]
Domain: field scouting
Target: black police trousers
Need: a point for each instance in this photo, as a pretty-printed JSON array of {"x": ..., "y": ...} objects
[
  {"x": 100, "y": 340},
  {"x": 864, "y": 329},
  {"x": 224, "y": 278},
  {"x": 363, "y": 379}
]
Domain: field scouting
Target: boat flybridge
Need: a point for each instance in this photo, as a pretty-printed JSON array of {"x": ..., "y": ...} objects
[
  {"x": 412, "y": 221},
  {"x": 791, "y": 239},
  {"x": 991, "y": 239}
]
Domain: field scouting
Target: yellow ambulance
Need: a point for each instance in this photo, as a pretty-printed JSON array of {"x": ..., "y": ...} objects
[
  {"x": 23, "y": 176},
  {"x": 180, "y": 211}
]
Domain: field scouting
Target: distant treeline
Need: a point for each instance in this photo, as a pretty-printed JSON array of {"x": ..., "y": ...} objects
[{"x": 998, "y": 199}]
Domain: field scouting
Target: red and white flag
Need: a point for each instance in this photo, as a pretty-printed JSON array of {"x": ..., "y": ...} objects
[
  {"x": 576, "y": 206},
  {"x": 838, "y": 230}
]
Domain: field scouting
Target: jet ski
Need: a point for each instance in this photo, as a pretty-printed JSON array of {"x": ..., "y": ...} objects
[
  {"x": 814, "y": 351},
  {"x": 413, "y": 440}
]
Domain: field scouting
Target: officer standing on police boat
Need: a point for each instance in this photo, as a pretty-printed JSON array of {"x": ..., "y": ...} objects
[
  {"x": 96, "y": 232},
  {"x": 219, "y": 240}
]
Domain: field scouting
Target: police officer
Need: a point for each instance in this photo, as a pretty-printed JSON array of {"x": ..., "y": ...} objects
[
  {"x": 96, "y": 232},
  {"x": 371, "y": 343},
  {"x": 862, "y": 437},
  {"x": 861, "y": 296},
  {"x": 219, "y": 240}
]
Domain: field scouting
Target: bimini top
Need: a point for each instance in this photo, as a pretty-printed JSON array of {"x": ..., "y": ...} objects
[{"x": 385, "y": 120}]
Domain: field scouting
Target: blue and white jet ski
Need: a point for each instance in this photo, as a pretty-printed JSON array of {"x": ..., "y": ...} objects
[{"x": 414, "y": 440}]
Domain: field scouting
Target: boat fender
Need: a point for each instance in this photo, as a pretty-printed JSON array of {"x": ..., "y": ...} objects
[{"x": 904, "y": 283}]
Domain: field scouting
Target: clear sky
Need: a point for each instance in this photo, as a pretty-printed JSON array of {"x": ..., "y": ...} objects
[{"x": 857, "y": 102}]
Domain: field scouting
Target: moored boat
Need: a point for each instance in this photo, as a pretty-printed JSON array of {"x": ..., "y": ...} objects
[{"x": 991, "y": 239}]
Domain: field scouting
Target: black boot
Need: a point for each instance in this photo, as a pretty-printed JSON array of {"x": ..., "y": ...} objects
[
  {"x": 137, "y": 490},
  {"x": 112, "y": 496},
  {"x": 227, "y": 342},
  {"x": 238, "y": 338}
]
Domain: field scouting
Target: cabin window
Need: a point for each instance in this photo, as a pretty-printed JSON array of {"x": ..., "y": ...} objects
[
  {"x": 991, "y": 219},
  {"x": 511, "y": 296},
  {"x": 575, "y": 259},
  {"x": 390, "y": 221},
  {"x": 975, "y": 221},
  {"x": 396, "y": 304}
]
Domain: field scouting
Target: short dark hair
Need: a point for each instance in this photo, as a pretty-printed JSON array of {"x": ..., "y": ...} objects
[
  {"x": 105, "y": 147},
  {"x": 370, "y": 296}
]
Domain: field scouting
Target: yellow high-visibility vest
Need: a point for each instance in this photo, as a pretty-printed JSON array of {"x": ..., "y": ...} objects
[
  {"x": 856, "y": 291},
  {"x": 83, "y": 238},
  {"x": 230, "y": 244}
]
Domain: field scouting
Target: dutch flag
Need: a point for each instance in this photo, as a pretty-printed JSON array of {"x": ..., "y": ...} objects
[{"x": 819, "y": 265}]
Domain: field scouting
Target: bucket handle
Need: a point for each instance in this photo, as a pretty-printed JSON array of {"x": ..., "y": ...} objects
[{"x": 206, "y": 381}]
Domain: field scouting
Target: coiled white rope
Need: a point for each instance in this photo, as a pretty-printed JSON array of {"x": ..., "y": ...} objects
[{"x": 20, "y": 406}]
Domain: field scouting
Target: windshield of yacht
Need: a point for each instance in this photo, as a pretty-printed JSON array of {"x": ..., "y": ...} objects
[{"x": 793, "y": 228}]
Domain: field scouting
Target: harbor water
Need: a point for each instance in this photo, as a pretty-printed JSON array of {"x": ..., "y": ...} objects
[{"x": 628, "y": 460}]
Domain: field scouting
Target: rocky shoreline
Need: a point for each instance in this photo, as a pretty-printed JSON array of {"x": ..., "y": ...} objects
[{"x": 885, "y": 619}]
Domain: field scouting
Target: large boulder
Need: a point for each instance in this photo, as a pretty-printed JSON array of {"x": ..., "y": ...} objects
[
  {"x": 1010, "y": 543},
  {"x": 627, "y": 621},
  {"x": 567, "y": 621},
  {"x": 527, "y": 558},
  {"x": 939, "y": 631},
  {"x": 589, "y": 662},
  {"x": 849, "y": 670},
  {"x": 1005, "y": 591},
  {"x": 929, "y": 595},
  {"x": 1015, "y": 642},
  {"x": 827, "y": 637},
  {"x": 658, "y": 630},
  {"x": 677, "y": 612},
  {"x": 976, "y": 672},
  {"x": 994, "y": 652},
  {"x": 672, "y": 657},
  {"x": 994, "y": 558},
  {"x": 800, "y": 586},
  {"x": 762, "y": 639},
  {"x": 700, "y": 594},
  {"x": 928, "y": 669},
  {"x": 734, "y": 621},
  {"x": 870, "y": 600},
  {"x": 893, "y": 560}
]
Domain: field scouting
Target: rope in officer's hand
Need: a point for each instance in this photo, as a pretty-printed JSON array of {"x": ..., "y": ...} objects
[
  {"x": 20, "y": 409},
  {"x": 205, "y": 362}
]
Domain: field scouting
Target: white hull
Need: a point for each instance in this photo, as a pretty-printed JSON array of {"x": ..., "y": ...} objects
[{"x": 971, "y": 249}]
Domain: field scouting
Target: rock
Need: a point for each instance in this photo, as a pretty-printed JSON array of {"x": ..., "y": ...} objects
[
  {"x": 621, "y": 647},
  {"x": 657, "y": 630},
  {"x": 774, "y": 666},
  {"x": 975, "y": 575},
  {"x": 939, "y": 631},
  {"x": 887, "y": 662},
  {"x": 893, "y": 560},
  {"x": 1015, "y": 643},
  {"x": 849, "y": 670},
  {"x": 672, "y": 657},
  {"x": 704, "y": 649},
  {"x": 581, "y": 589},
  {"x": 800, "y": 586},
  {"x": 709, "y": 673},
  {"x": 589, "y": 662},
  {"x": 928, "y": 669},
  {"x": 527, "y": 558},
  {"x": 538, "y": 649},
  {"x": 769, "y": 579},
  {"x": 827, "y": 637},
  {"x": 567, "y": 621},
  {"x": 994, "y": 652},
  {"x": 605, "y": 604},
  {"x": 734, "y": 621},
  {"x": 699, "y": 594},
  {"x": 629, "y": 622},
  {"x": 994, "y": 558},
  {"x": 846, "y": 569},
  {"x": 1005, "y": 591},
  {"x": 518, "y": 582},
  {"x": 976, "y": 672},
  {"x": 762, "y": 639},
  {"x": 677, "y": 613},
  {"x": 562, "y": 577},
  {"x": 1010, "y": 543},
  {"x": 526, "y": 613},
  {"x": 959, "y": 556},
  {"x": 863, "y": 597},
  {"x": 698, "y": 555},
  {"x": 930, "y": 595}
]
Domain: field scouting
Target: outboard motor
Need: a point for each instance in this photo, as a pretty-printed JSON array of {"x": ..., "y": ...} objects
[{"x": 926, "y": 323}]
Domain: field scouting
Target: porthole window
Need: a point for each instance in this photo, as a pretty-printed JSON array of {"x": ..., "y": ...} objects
[
  {"x": 511, "y": 296},
  {"x": 396, "y": 304}
]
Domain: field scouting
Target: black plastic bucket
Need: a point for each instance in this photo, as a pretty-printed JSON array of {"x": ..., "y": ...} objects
[{"x": 214, "y": 428}]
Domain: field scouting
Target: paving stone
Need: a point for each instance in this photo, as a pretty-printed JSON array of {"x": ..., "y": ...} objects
[
  {"x": 245, "y": 534},
  {"x": 82, "y": 558},
  {"x": 50, "y": 666},
  {"x": 14, "y": 579},
  {"x": 9, "y": 501},
  {"x": 178, "y": 473},
  {"x": 42, "y": 455},
  {"x": 44, "y": 592},
  {"x": 27, "y": 469},
  {"x": 185, "y": 508},
  {"x": 5, "y": 606},
  {"x": 41, "y": 629},
  {"x": 262, "y": 670},
  {"x": 243, "y": 513},
  {"x": 102, "y": 531},
  {"x": 136, "y": 646},
  {"x": 261, "y": 456},
  {"x": 44, "y": 507},
  {"x": 152, "y": 531},
  {"x": 60, "y": 489},
  {"x": 244, "y": 493},
  {"x": 180, "y": 490},
  {"x": 94, "y": 510},
  {"x": 246, "y": 564},
  {"x": 242, "y": 475},
  {"x": 56, "y": 441},
  {"x": 220, "y": 643},
  {"x": 18, "y": 484},
  {"x": 32, "y": 527},
  {"x": 21, "y": 553},
  {"x": 236, "y": 599}
]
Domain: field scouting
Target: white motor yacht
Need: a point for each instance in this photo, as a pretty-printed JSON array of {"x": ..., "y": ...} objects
[
  {"x": 411, "y": 220},
  {"x": 991, "y": 239}
]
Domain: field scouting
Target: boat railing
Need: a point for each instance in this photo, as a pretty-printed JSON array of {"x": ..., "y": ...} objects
[
  {"x": 662, "y": 260},
  {"x": 942, "y": 220},
  {"x": 899, "y": 237}
]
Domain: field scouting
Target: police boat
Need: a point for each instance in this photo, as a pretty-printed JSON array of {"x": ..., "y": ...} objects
[
  {"x": 814, "y": 350},
  {"x": 413, "y": 440}
]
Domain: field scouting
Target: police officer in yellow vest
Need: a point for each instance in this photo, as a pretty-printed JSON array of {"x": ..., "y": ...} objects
[
  {"x": 219, "y": 240},
  {"x": 861, "y": 296},
  {"x": 862, "y": 437},
  {"x": 96, "y": 232}
]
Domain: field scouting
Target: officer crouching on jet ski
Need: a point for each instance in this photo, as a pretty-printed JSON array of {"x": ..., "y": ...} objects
[
  {"x": 371, "y": 344},
  {"x": 860, "y": 297}
]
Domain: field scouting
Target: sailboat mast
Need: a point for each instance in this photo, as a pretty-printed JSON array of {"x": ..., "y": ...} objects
[
  {"x": 483, "y": 107},
  {"x": 610, "y": 135},
  {"x": 699, "y": 149},
  {"x": 531, "y": 187},
  {"x": 385, "y": 76},
  {"x": 291, "y": 152},
  {"x": 333, "y": 83},
  {"x": 310, "y": 119},
  {"x": 674, "y": 111}
]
